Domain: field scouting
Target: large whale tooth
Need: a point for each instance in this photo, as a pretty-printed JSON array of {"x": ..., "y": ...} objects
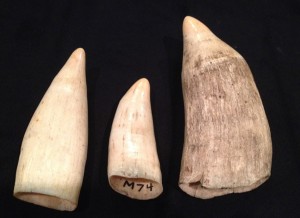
[
  {"x": 54, "y": 148},
  {"x": 133, "y": 164},
  {"x": 227, "y": 142}
]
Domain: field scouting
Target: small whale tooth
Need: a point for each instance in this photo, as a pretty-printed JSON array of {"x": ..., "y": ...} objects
[
  {"x": 54, "y": 148},
  {"x": 227, "y": 143},
  {"x": 133, "y": 164}
]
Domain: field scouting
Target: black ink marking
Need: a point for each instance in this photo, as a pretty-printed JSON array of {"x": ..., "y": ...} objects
[
  {"x": 141, "y": 186},
  {"x": 128, "y": 184},
  {"x": 149, "y": 186}
]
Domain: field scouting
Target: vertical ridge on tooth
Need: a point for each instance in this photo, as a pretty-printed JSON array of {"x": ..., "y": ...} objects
[
  {"x": 133, "y": 164},
  {"x": 54, "y": 148}
]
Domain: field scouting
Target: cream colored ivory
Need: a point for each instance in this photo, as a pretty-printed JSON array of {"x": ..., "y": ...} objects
[
  {"x": 133, "y": 164},
  {"x": 227, "y": 144},
  {"x": 54, "y": 148}
]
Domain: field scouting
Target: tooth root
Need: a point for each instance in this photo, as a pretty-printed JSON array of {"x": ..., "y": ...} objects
[
  {"x": 227, "y": 144},
  {"x": 54, "y": 148},
  {"x": 133, "y": 164}
]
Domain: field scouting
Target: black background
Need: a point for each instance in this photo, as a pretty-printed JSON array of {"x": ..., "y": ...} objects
[{"x": 129, "y": 39}]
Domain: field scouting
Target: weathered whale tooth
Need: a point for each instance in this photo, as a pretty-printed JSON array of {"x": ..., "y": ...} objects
[
  {"x": 133, "y": 164},
  {"x": 54, "y": 148},
  {"x": 227, "y": 142}
]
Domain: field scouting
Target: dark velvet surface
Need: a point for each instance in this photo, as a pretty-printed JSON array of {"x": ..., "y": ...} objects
[{"x": 124, "y": 41}]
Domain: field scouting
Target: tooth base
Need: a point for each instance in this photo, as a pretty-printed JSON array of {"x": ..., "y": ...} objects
[
  {"x": 196, "y": 189},
  {"x": 137, "y": 188},
  {"x": 46, "y": 201}
]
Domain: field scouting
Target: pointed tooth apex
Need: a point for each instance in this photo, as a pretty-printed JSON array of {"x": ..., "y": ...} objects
[
  {"x": 140, "y": 89},
  {"x": 195, "y": 29},
  {"x": 190, "y": 25},
  {"x": 79, "y": 54},
  {"x": 54, "y": 148},
  {"x": 75, "y": 65},
  {"x": 77, "y": 58},
  {"x": 142, "y": 84},
  {"x": 133, "y": 164}
]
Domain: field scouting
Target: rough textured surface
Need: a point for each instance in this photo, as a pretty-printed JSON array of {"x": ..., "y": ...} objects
[
  {"x": 133, "y": 164},
  {"x": 227, "y": 145},
  {"x": 54, "y": 148}
]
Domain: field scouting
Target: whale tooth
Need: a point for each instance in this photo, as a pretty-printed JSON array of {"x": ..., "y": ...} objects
[
  {"x": 133, "y": 164},
  {"x": 54, "y": 148},
  {"x": 227, "y": 142}
]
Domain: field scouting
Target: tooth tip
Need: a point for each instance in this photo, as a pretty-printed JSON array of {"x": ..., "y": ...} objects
[
  {"x": 74, "y": 66},
  {"x": 189, "y": 19},
  {"x": 77, "y": 60},
  {"x": 193, "y": 26},
  {"x": 140, "y": 88},
  {"x": 79, "y": 53},
  {"x": 143, "y": 82}
]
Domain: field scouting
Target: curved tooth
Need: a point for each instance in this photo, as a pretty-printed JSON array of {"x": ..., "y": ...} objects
[
  {"x": 227, "y": 145},
  {"x": 54, "y": 148},
  {"x": 133, "y": 165}
]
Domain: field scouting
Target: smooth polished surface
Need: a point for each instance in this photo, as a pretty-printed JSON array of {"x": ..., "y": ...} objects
[
  {"x": 133, "y": 164},
  {"x": 54, "y": 148}
]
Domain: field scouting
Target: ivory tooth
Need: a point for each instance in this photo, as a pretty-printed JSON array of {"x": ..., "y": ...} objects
[
  {"x": 227, "y": 144},
  {"x": 133, "y": 164},
  {"x": 54, "y": 148}
]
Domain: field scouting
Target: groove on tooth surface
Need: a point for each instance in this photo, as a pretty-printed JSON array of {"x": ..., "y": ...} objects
[{"x": 133, "y": 164}]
